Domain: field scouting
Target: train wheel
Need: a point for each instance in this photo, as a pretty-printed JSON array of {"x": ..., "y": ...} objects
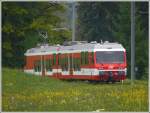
[
  {"x": 90, "y": 81},
  {"x": 107, "y": 81},
  {"x": 113, "y": 81}
]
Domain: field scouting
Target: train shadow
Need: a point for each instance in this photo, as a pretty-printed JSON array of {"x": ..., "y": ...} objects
[
  {"x": 109, "y": 82},
  {"x": 98, "y": 82}
]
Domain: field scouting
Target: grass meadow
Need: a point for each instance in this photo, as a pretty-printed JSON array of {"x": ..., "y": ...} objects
[{"x": 26, "y": 92}]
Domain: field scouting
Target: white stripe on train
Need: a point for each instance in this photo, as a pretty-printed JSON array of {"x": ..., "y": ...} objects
[{"x": 84, "y": 71}]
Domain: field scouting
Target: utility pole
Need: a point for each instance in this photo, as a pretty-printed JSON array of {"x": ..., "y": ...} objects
[
  {"x": 132, "y": 41},
  {"x": 73, "y": 20}
]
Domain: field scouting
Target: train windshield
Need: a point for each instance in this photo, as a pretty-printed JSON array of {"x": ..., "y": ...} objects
[{"x": 109, "y": 57}]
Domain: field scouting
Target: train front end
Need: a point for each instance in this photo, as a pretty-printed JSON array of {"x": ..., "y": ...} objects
[{"x": 111, "y": 64}]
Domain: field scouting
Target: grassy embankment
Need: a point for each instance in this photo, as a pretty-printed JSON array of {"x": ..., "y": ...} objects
[{"x": 25, "y": 92}]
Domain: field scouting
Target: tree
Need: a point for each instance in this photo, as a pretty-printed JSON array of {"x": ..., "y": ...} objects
[
  {"x": 122, "y": 35},
  {"x": 142, "y": 40},
  {"x": 95, "y": 20},
  {"x": 21, "y": 23},
  {"x": 111, "y": 21},
  {"x": 122, "y": 31}
]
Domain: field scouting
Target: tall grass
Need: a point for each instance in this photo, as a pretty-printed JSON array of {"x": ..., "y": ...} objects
[{"x": 25, "y": 92}]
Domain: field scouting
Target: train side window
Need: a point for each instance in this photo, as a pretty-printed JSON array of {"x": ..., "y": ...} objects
[
  {"x": 63, "y": 64},
  {"x": 49, "y": 65},
  {"x": 86, "y": 57},
  {"x": 78, "y": 65},
  {"x": 66, "y": 62},
  {"x": 54, "y": 59},
  {"x": 37, "y": 66},
  {"x": 60, "y": 61},
  {"x": 92, "y": 59},
  {"x": 82, "y": 58},
  {"x": 70, "y": 61},
  {"x": 75, "y": 64},
  {"x": 59, "y": 58}
]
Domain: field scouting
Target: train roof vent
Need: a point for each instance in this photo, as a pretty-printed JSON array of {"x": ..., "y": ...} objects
[
  {"x": 109, "y": 48},
  {"x": 69, "y": 43},
  {"x": 93, "y": 42},
  {"x": 42, "y": 45},
  {"x": 30, "y": 51},
  {"x": 74, "y": 42},
  {"x": 58, "y": 45},
  {"x": 106, "y": 42}
]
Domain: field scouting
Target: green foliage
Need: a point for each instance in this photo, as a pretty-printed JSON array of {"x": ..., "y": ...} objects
[
  {"x": 95, "y": 20},
  {"x": 122, "y": 35},
  {"x": 21, "y": 24},
  {"x": 111, "y": 21},
  {"x": 141, "y": 40},
  {"x": 122, "y": 30},
  {"x": 55, "y": 37},
  {"x": 22, "y": 92}
]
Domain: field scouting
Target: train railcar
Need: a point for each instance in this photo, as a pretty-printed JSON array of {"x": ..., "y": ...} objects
[{"x": 79, "y": 60}]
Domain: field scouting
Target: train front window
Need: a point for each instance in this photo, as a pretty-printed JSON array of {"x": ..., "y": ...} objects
[{"x": 109, "y": 57}]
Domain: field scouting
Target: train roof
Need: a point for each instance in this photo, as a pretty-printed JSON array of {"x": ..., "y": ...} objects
[{"x": 78, "y": 47}]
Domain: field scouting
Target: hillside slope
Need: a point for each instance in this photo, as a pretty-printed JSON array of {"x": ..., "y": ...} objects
[{"x": 25, "y": 92}]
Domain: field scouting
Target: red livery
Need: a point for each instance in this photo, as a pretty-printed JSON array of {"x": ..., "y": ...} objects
[{"x": 78, "y": 60}]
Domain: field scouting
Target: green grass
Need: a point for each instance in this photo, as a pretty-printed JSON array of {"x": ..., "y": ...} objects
[{"x": 25, "y": 92}]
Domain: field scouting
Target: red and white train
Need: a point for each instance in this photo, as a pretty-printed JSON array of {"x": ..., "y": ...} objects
[{"x": 78, "y": 60}]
